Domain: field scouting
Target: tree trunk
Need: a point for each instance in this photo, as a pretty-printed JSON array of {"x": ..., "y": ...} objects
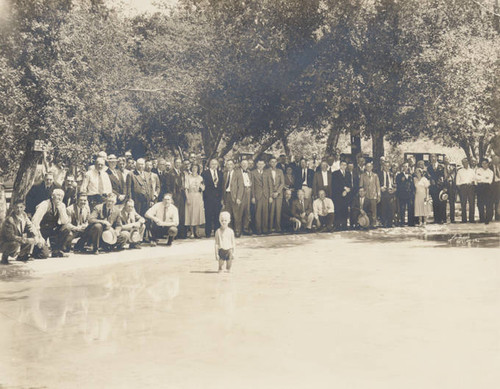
[
  {"x": 377, "y": 147},
  {"x": 333, "y": 140},
  {"x": 26, "y": 174},
  {"x": 269, "y": 142},
  {"x": 286, "y": 147},
  {"x": 355, "y": 144}
]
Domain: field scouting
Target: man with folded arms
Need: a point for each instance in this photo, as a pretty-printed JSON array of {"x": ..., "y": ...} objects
[
  {"x": 324, "y": 209},
  {"x": 106, "y": 217},
  {"x": 164, "y": 218},
  {"x": 52, "y": 220},
  {"x": 18, "y": 235},
  {"x": 132, "y": 223}
]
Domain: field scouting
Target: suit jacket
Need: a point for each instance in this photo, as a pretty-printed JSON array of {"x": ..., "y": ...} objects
[
  {"x": 405, "y": 187},
  {"x": 286, "y": 209},
  {"x": 297, "y": 209},
  {"x": 353, "y": 179},
  {"x": 13, "y": 232},
  {"x": 163, "y": 178},
  {"x": 139, "y": 188},
  {"x": 37, "y": 194},
  {"x": 260, "y": 185},
  {"x": 371, "y": 184},
  {"x": 100, "y": 213},
  {"x": 69, "y": 196},
  {"x": 279, "y": 182},
  {"x": 381, "y": 178},
  {"x": 155, "y": 185},
  {"x": 237, "y": 186},
  {"x": 309, "y": 177},
  {"x": 318, "y": 184},
  {"x": 133, "y": 217},
  {"x": 213, "y": 193},
  {"x": 73, "y": 212},
  {"x": 175, "y": 185},
  {"x": 339, "y": 183},
  {"x": 118, "y": 182}
]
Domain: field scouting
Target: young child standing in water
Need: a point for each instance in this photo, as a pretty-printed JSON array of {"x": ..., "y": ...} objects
[{"x": 224, "y": 242}]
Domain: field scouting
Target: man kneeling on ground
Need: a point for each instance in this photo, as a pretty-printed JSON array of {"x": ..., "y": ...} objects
[
  {"x": 302, "y": 211},
  {"x": 105, "y": 226},
  {"x": 19, "y": 235},
  {"x": 324, "y": 212},
  {"x": 79, "y": 214},
  {"x": 164, "y": 218},
  {"x": 52, "y": 220},
  {"x": 133, "y": 226}
]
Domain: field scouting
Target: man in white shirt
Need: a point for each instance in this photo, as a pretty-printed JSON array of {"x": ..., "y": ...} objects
[
  {"x": 323, "y": 210},
  {"x": 164, "y": 219},
  {"x": 465, "y": 184},
  {"x": 484, "y": 179},
  {"x": 96, "y": 183},
  {"x": 305, "y": 177},
  {"x": 495, "y": 166}
]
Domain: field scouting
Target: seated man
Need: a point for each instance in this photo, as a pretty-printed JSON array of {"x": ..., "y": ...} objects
[
  {"x": 164, "y": 218},
  {"x": 323, "y": 210},
  {"x": 302, "y": 210},
  {"x": 79, "y": 214},
  {"x": 132, "y": 223},
  {"x": 52, "y": 220},
  {"x": 106, "y": 217},
  {"x": 288, "y": 222},
  {"x": 18, "y": 235},
  {"x": 360, "y": 207}
]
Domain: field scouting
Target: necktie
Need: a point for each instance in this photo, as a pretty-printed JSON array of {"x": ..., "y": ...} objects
[
  {"x": 216, "y": 180},
  {"x": 323, "y": 207},
  {"x": 302, "y": 205},
  {"x": 165, "y": 214},
  {"x": 80, "y": 216},
  {"x": 387, "y": 183},
  {"x": 228, "y": 180},
  {"x": 303, "y": 175},
  {"x": 100, "y": 184}
]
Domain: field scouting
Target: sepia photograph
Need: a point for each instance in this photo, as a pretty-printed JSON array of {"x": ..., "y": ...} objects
[{"x": 250, "y": 194}]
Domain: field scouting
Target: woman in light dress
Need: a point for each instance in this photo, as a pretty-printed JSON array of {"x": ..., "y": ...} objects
[
  {"x": 195, "y": 210},
  {"x": 421, "y": 196}
]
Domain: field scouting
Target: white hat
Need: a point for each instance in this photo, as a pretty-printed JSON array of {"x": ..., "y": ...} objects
[{"x": 109, "y": 237}]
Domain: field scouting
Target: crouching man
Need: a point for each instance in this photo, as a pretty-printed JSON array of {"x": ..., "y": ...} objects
[
  {"x": 164, "y": 218},
  {"x": 52, "y": 221},
  {"x": 133, "y": 225},
  {"x": 79, "y": 214},
  {"x": 105, "y": 226},
  {"x": 302, "y": 211},
  {"x": 19, "y": 235}
]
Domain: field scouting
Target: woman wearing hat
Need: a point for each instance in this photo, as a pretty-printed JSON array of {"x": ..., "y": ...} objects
[{"x": 422, "y": 198}]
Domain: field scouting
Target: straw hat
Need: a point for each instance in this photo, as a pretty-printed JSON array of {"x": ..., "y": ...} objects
[
  {"x": 363, "y": 221},
  {"x": 443, "y": 196},
  {"x": 135, "y": 237},
  {"x": 109, "y": 237}
]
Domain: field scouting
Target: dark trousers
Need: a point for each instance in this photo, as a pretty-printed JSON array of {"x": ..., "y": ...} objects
[
  {"x": 261, "y": 215},
  {"x": 341, "y": 212},
  {"x": 387, "y": 208},
  {"x": 466, "y": 193},
  {"x": 452, "y": 199},
  {"x": 94, "y": 200},
  {"x": 92, "y": 235},
  {"x": 58, "y": 236},
  {"x": 158, "y": 232},
  {"x": 407, "y": 207},
  {"x": 327, "y": 221},
  {"x": 485, "y": 202},
  {"x": 434, "y": 192},
  {"x": 231, "y": 207},
  {"x": 180, "y": 203},
  {"x": 212, "y": 211},
  {"x": 372, "y": 214},
  {"x": 22, "y": 250},
  {"x": 242, "y": 220}
]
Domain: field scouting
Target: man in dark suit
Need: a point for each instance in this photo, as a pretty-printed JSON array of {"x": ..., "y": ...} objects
[
  {"x": 360, "y": 206},
  {"x": 304, "y": 179},
  {"x": 302, "y": 211},
  {"x": 261, "y": 192},
  {"x": 117, "y": 178},
  {"x": 70, "y": 192},
  {"x": 175, "y": 185},
  {"x": 288, "y": 222},
  {"x": 212, "y": 196},
  {"x": 388, "y": 195},
  {"x": 322, "y": 180},
  {"x": 341, "y": 190},
  {"x": 276, "y": 182},
  {"x": 40, "y": 192},
  {"x": 450, "y": 176},
  {"x": 405, "y": 192},
  {"x": 434, "y": 176},
  {"x": 233, "y": 195},
  {"x": 139, "y": 188},
  {"x": 162, "y": 173},
  {"x": 79, "y": 214}
]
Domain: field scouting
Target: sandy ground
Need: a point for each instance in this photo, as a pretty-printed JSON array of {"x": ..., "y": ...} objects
[{"x": 352, "y": 310}]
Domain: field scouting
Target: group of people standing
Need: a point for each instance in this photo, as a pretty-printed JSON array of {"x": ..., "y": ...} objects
[{"x": 120, "y": 202}]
